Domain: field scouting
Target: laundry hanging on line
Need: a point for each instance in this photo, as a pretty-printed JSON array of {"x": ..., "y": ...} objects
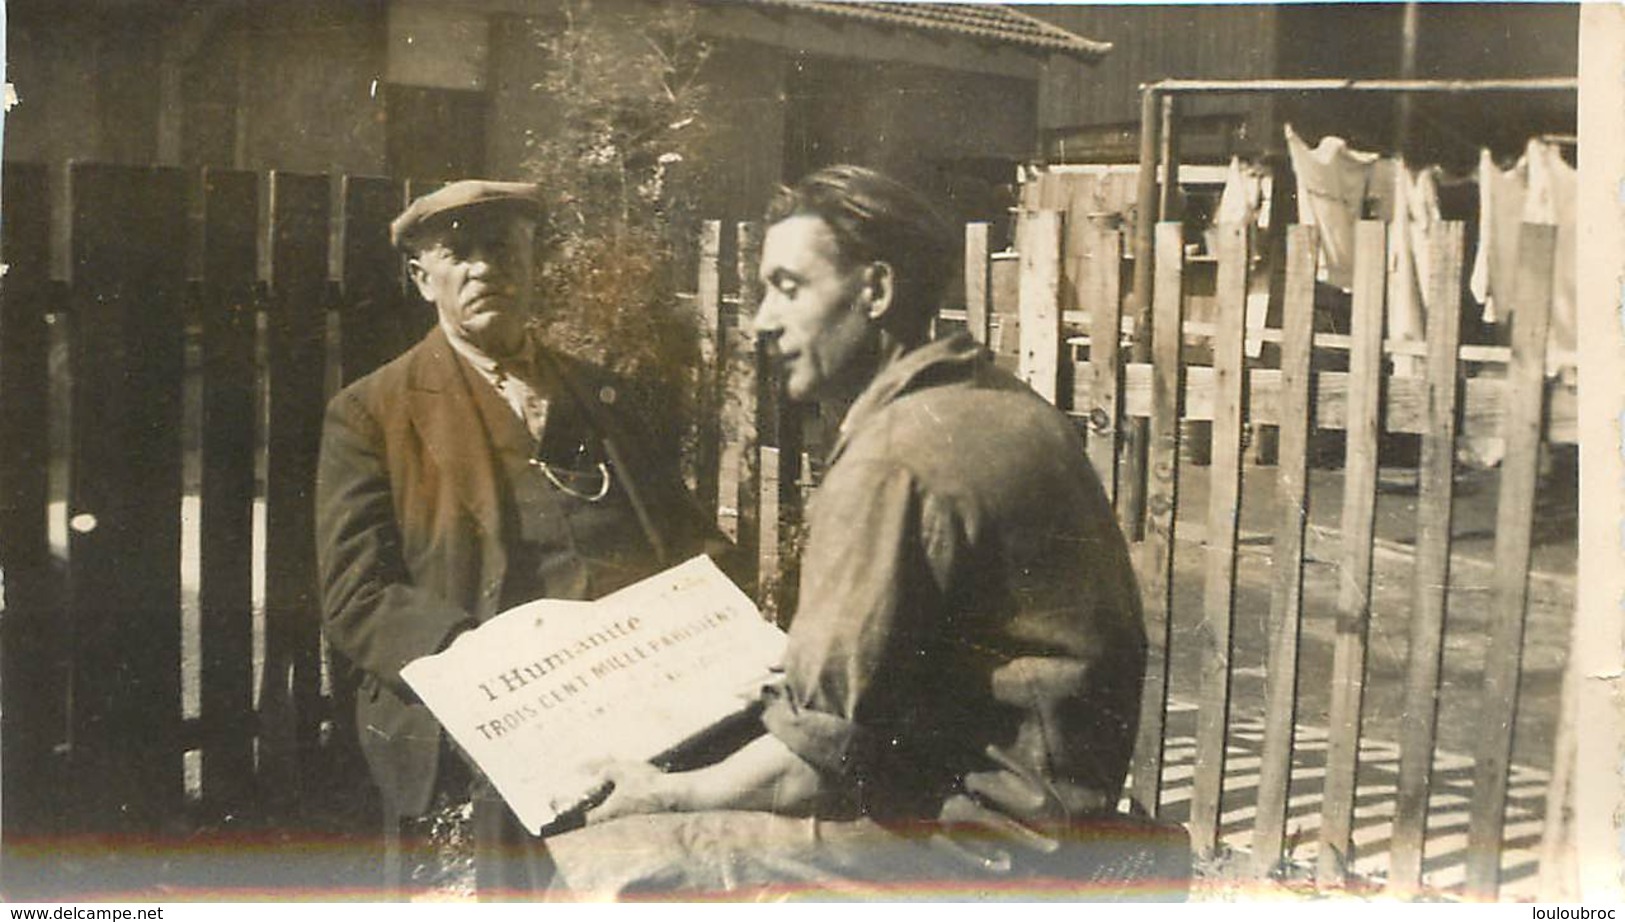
[
  {"x": 1416, "y": 215},
  {"x": 1244, "y": 201},
  {"x": 1539, "y": 189},
  {"x": 1332, "y": 182}
]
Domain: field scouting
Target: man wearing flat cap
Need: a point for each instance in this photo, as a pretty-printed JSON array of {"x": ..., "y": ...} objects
[{"x": 477, "y": 471}]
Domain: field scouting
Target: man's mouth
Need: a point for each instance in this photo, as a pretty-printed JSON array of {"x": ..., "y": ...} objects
[{"x": 485, "y": 298}]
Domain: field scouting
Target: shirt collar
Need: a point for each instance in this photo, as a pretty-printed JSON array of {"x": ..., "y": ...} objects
[
  {"x": 489, "y": 368},
  {"x": 955, "y": 355}
]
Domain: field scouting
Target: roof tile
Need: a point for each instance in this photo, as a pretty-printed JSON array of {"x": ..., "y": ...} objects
[{"x": 987, "y": 22}]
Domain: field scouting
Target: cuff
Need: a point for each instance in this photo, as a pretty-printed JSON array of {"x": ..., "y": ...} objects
[{"x": 833, "y": 745}]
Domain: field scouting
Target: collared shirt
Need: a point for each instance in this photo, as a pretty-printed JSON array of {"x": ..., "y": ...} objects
[
  {"x": 517, "y": 380},
  {"x": 969, "y": 631}
]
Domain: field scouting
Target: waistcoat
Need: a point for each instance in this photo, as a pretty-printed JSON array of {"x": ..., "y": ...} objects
[{"x": 560, "y": 545}]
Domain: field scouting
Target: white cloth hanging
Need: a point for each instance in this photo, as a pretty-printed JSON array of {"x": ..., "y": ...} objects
[
  {"x": 1540, "y": 189},
  {"x": 1415, "y": 217},
  {"x": 1242, "y": 197},
  {"x": 1243, "y": 202},
  {"x": 1332, "y": 180}
]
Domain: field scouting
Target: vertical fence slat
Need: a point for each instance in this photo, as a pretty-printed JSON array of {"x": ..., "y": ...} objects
[
  {"x": 1039, "y": 244},
  {"x": 32, "y": 642},
  {"x": 1432, "y": 580},
  {"x": 1358, "y": 526},
  {"x": 1132, "y": 483},
  {"x": 296, "y": 344},
  {"x": 225, "y": 543},
  {"x": 791, "y": 474},
  {"x": 129, "y": 287},
  {"x": 708, "y": 310},
  {"x": 374, "y": 317},
  {"x": 1076, "y": 241},
  {"x": 1514, "y": 524},
  {"x": 1157, "y": 552},
  {"x": 747, "y": 382},
  {"x": 1104, "y": 302},
  {"x": 1219, "y": 575},
  {"x": 59, "y": 466},
  {"x": 978, "y": 283},
  {"x": 1286, "y": 600}
]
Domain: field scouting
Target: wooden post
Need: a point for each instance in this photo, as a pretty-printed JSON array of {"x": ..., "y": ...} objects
[
  {"x": 747, "y": 383},
  {"x": 129, "y": 272},
  {"x": 1598, "y": 639},
  {"x": 1514, "y": 527},
  {"x": 1409, "y": 28},
  {"x": 978, "y": 283},
  {"x": 1157, "y": 560},
  {"x": 1039, "y": 243},
  {"x": 375, "y": 324},
  {"x": 1169, "y": 205},
  {"x": 1358, "y": 526},
  {"x": 1224, "y": 504},
  {"x": 1103, "y": 298},
  {"x": 1132, "y": 486},
  {"x": 1432, "y": 580},
  {"x": 708, "y": 311},
  {"x": 225, "y": 543},
  {"x": 298, "y": 236},
  {"x": 1286, "y": 602},
  {"x": 1077, "y": 238},
  {"x": 32, "y": 637}
]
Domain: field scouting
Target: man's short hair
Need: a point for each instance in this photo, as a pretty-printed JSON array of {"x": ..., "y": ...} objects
[{"x": 876, "y": 218}]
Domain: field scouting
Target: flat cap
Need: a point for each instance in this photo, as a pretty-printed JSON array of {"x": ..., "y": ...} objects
[{"x": 467, "y": 193}]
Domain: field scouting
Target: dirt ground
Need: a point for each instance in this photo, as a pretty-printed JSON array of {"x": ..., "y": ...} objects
[{"x": 329, "y": 847}]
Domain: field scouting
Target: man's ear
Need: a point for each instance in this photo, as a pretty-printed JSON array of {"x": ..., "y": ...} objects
[
  {"x": 420, "y": 277},
  {"x": 879, "y": 288}
]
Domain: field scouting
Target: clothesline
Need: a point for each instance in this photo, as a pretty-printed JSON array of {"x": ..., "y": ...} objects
[
  {"x": 1159, "y": 119},
  {"x": 1535, "y": 84}
]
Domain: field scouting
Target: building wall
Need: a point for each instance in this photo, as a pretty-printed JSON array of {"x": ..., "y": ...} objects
[
  {"x": 285, "y": 86},
  {"x": 740, "y": 159},
  {"x": 955, "y": 134},
  {"x": 85, "y": 87},
  {"x": 517, "y": 108},
  {"x": 739, "y": 154},
  {"x": 1454, "y": 41},
  {"x": 311, "y": 100},
  {"x": 305, "y": 86},
  {"x": 1152, "y": 43}
]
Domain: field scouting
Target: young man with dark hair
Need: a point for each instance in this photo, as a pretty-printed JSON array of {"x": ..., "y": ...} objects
[{"x": 962, "y": 678}]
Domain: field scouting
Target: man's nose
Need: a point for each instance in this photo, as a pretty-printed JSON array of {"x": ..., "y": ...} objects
[
  {"x": 767, "y": 321},
  {"x": 486, "y": 261}
]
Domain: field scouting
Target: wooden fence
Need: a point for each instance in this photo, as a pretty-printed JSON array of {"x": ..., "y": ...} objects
[
  {"x": 166, "y": 354},
  {"x": 168, "y": 338},
  {"x": 1069, "y": 295}
]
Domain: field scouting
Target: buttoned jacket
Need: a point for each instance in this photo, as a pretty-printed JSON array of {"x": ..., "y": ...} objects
[{"x": 410, "y": 540}]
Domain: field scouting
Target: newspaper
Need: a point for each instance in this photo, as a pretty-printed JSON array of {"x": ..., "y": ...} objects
[{"x": 543, "y": 692}]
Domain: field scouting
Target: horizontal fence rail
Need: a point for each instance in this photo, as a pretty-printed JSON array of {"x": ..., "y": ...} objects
[
  {"x": 1195, "y": 372},
  {"x": 168, "y": 339}
]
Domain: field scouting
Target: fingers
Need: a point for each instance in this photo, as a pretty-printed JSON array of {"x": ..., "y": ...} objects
[{"x": 626, "y": 789}]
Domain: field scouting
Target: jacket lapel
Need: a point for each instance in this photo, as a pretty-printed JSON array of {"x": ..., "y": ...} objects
[
  {"x": 444, "y": 414},
  {"x": 589, "y": 393}
]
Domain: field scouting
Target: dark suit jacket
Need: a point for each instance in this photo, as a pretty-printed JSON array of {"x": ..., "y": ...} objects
[{"x": 410, "y": 543}]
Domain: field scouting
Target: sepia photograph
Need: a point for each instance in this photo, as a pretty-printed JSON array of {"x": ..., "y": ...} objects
[{"x": 460, "y": 451}]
